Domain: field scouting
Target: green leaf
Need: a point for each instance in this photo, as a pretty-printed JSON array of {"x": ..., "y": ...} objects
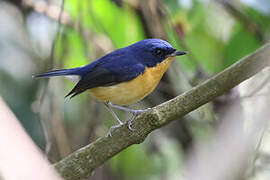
[{"x": 240, "y": 44}]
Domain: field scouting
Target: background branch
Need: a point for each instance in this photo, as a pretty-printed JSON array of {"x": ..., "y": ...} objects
[
  {"x": 13, "y": 138},
  {"x": 44, "y": 92},
  {"x": 82, "y": 162}
]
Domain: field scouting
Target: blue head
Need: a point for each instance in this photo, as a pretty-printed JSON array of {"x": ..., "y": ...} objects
[{"x": 153, "y": 51}]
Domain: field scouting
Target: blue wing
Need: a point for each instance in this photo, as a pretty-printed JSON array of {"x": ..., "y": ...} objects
[{"x": 116, "y": 67}]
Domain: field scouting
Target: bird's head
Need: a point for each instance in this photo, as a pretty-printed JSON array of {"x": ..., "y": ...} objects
[{"x": 154, "y": 51}]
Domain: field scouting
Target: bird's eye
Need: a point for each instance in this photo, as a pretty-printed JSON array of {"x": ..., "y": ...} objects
[{"x": 158, "y": 52}]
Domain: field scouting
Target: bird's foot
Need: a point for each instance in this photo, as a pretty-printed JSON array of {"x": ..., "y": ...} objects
[
  {"x": 113, "y": 128},
  {"x": 130, "y": 122},
  {"x": 135, "y": 114},
  {"x": 139, "y": 111}
]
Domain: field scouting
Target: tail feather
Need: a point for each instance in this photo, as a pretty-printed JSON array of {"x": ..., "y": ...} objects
[
  {"x": 61, "y": 72},
  {"x": 80, "y": 71},
  {"x": 73, "y": 93}
]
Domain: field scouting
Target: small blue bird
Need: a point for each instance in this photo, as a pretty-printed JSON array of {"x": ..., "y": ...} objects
[{"x": 124, "y": 76}]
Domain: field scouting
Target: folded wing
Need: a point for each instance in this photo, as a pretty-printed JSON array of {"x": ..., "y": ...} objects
[{"x": 106, "y": 75}]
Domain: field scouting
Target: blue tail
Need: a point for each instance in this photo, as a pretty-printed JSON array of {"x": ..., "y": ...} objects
[{"x": 61, "y": 72}]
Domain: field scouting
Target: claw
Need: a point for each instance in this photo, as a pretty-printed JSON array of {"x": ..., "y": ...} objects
[
  {"x": 130, "y": 122},
  {"x": 135, "y": 114},
  {"x": 113, "y": 128}
]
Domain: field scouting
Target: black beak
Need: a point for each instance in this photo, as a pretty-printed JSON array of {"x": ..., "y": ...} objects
[{"x": 178, "y": 53}]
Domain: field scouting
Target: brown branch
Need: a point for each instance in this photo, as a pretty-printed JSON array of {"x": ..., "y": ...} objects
[
  {"x": 84, "y": 161},
  {"x": 51, "y": 11}
]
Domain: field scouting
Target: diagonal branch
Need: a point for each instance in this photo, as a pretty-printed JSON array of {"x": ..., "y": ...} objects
[{"x": 84, "y": 161}]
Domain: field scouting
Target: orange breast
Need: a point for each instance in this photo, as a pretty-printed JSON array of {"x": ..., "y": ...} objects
[{"x": 132, "y": 91}]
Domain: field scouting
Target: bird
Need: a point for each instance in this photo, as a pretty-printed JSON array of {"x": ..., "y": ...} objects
[{"x": 122, "y": 77}]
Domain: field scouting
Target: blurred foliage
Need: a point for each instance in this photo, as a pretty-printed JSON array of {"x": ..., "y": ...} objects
[{"x": 214, "y": 36}]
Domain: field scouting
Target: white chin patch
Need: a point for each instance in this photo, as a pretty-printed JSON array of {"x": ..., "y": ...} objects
[{"x": 73, "y": 78}]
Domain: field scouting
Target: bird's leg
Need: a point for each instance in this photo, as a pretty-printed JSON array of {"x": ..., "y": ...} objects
[
  {"x": 120, "y": 123},
  {"x": 133, "y": 111},
  {"x": 123, "y": 108}
]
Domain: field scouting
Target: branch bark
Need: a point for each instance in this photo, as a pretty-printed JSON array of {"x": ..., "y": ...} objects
[{"x": 84, "y": 161}]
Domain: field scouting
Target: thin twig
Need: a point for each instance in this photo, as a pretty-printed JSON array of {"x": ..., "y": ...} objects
[
  {"x": 42, "y": 121},
  {"x": 57, "y": 32},
  {"x": 257, "y": 151},
  {"x": 43, "y": 124}
]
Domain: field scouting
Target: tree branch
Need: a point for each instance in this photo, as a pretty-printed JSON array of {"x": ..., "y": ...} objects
[{"x": 82, "y": 162}]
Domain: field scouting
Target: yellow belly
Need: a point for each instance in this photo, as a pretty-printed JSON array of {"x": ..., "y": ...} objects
[{"x": 132, "y": 91}]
